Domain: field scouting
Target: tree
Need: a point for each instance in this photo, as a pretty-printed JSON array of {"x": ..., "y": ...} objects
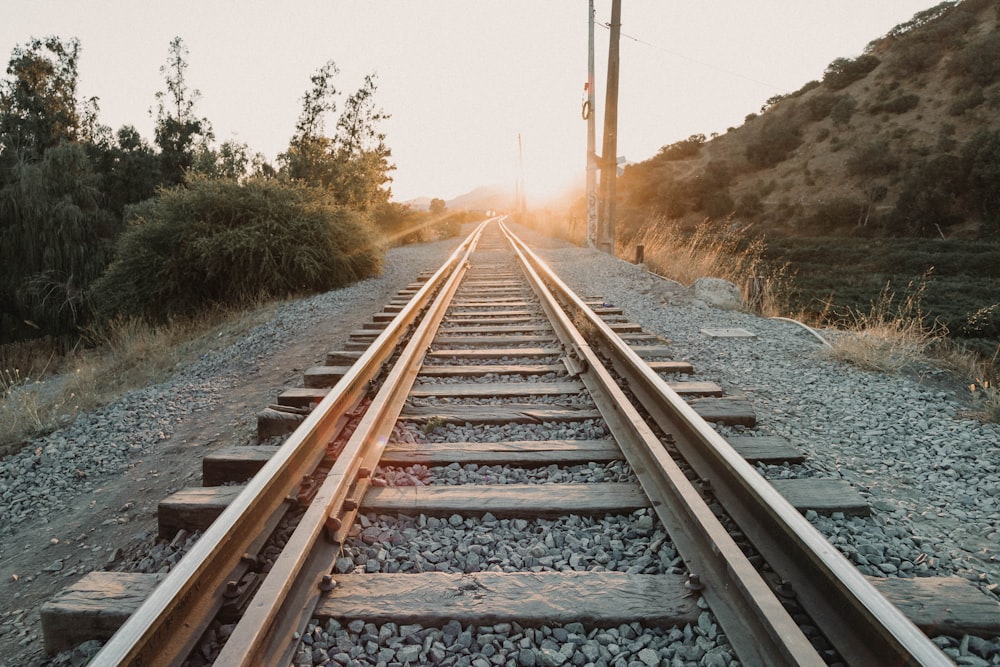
[
  {"x": 981, "y": 162},
  {"x": 354, "y": 163},
  {"x": 54, "y": 240},
  {"x": 438, "y": 206},
  {"x": 38, "y": 105},
  {"x": 129, "y": 169},
  {"x": 179, "y": 132}
]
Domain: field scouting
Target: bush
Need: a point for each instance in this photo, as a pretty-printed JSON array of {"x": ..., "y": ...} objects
[
  {"x": 776, "y": 139},
  {"x": 874, "y": 159},
  {"x": 981, "y": 164},
  {"x": 818, "y": 106},
  {"x": 980, "y": 61},
  {"x": 400, "y": 224},
  {"x": 837, "y": 215},
  {"x": 899, "y": 104},
  {"x": 842, "y": 110},
  {"x": 218, "y": 242},
  {"x": 682, "y": 150},
  {"x": 842, "y": 72},
  {"x": 927, "y": 202},
  {"x": 970, "y": 100}
]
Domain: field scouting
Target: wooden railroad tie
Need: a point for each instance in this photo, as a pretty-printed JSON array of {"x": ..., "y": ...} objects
[{"x": 96, "y": 605}]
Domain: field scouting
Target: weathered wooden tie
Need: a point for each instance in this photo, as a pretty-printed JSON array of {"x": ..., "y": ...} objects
[
  {"x": 528, "y": 453},
  {"x": 95, "y": 606},
  {"x": 484, "y": 598},
  {"x": 498, "y": 414}
]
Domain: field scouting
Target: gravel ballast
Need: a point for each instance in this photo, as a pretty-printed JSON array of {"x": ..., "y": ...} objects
[{"x": 930, "y": 473}]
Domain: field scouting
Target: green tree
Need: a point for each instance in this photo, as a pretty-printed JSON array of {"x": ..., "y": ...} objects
[
  {"x": 38, "y": 104},
  {"x": 129, "y": 169},
  {"x": 54, "y": 240},
  {"x": 354, "y": 163},
  {"x": 438, "y": 207},
  {"x": 179, "y": 132},
  {"x": 981, "y": 162}
]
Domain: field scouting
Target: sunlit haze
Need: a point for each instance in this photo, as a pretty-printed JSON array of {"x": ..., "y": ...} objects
[{"x": 460, "y": 79}]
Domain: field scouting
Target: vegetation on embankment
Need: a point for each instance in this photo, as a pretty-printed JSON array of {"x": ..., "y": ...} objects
[{"x": 117, "y": 255}]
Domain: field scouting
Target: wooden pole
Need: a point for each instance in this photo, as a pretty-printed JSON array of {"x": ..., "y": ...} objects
[
  {"x": 591, "y": 131},
  {"x": 609, "y": 151}
]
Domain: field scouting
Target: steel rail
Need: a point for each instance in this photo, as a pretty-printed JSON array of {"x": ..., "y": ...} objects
[
  {"x": 864, "y": 627},
  {"x": 755, "y": 622},
  {"x": 286, "y": 598},
  {"x": 168, "y": 624}
]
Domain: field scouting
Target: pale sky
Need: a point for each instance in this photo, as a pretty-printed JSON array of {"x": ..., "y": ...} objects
[{"x": 460, "y": 78}]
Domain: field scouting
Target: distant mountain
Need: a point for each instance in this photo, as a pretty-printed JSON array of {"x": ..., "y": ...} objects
[
  {"x": 903, "y": 140},
  {"x": 483, "y": 198}
]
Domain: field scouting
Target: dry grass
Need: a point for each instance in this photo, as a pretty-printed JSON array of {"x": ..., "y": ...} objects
[
  {"x": 124, "y": 355},
  {"x": 984, "y": 381},
  {"x": 891, "y": 335},
  {"x": 712, "y": 251}
]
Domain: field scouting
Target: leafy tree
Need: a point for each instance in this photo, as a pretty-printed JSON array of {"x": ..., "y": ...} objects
[
  {"x": 981, "y": 163},
  {"x": 179, "y": 132},
  {"x": 38, "y": 104},
  {"x": 54, "y": 240},
  {"x": 354, "y": 163},
  {"x": 438, "y": 206},
  {"x": 54, "y": 234},
  {"x": 928, "y": 201},
  {"x": 129, "y": 169}
]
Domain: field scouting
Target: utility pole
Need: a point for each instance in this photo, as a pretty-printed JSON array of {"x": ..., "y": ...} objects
[
  {"x": 589, "y": 115},
  {"x": 609, "y": 151},
  {"x": 522, "y": 200}
]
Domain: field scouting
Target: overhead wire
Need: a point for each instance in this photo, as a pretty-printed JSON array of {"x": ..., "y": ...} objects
[{"x": 717, "y": 68}]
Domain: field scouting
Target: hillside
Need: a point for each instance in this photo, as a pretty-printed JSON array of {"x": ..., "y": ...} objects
[{"x": 903, "y": 140}]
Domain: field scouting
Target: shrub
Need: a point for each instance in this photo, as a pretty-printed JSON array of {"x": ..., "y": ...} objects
[
  {"x": 981, "y": 165},
  {"x": 842, "y": 110},
  {"x": 682, "y": 150},
  {"x": 842, "y": 72},
  {"x": 818, "y": 106},
  {"x": 399, "y": 223},
  {"x": 898, "y": 104},
  {"x": 775, "y": 140},
  {"x": 927, "y": 202},
  {"x": 980, "y": 61},
  {"x": 842, "y": 212},
  {"x": 218, "y": 242},
  {"x": 874, "y": 159},
  {"x": 970, "y": 100},
  {"x": 718, "y": 204}
]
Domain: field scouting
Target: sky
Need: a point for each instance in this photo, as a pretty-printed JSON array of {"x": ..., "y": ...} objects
[{"x": 461, "y": 79}]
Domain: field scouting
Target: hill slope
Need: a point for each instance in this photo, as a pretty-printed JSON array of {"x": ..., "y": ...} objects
[{"x": 903, "y": 140}]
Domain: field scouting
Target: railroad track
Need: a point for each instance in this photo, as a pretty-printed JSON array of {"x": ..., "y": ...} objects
[{"x": 492, "y": 361}]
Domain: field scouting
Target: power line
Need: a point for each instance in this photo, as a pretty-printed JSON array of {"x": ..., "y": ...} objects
[{"x": 696, "y": 61}]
